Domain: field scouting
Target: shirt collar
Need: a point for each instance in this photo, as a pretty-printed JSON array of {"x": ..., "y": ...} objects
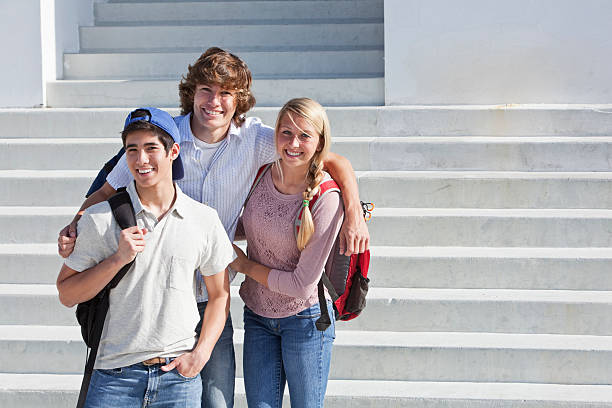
[
  {"x": 187, "y": 135},
  {"x": 178, "y": 208}
]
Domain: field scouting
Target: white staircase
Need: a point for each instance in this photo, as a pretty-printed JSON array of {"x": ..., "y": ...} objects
[{"x": 491, "y": 237}]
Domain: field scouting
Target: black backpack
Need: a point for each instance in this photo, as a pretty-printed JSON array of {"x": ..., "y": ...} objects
[{"x": 92, "y": 313}]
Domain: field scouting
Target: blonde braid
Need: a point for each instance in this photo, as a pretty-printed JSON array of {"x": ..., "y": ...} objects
[{"x": 313, "y": 179}]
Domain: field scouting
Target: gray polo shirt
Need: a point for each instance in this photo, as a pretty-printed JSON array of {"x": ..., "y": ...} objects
[{"x": 153, "y": 311}]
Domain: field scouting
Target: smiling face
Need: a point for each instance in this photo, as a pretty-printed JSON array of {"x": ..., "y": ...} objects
[
  {"x": 213, "y": 109},
  {"x": 297, "y": 141},
  {"x": 147, "y": 159}
]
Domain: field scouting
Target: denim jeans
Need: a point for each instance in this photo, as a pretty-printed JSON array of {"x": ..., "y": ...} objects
[
  {"x": 142, "y": 386},
  {"x": 218, "y": 375},
  {"x": 291, "y": 350}
]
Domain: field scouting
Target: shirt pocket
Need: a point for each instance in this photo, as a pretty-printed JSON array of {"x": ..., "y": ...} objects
[{"x": 181, "y": 274}]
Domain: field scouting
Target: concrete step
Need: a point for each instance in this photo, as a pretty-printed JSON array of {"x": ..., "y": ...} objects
[
  {"x": 361, "y": 121},
  {"x": 474, "y": 357},
  {"x": 486, "y": 189},
  {"x": 263, "y": 65},
  {"x": 403, "y": 267},
  {"x": 395, "y": 226},
  {"x": 386, "y": 189},
  {"x": 495, "y": 268},
  {"x": 541, "y": 154},
  {"x": 491, "y": 227},
  {"x": 478, "y": 153},
  {"x": 241, "y": 12},
  {"x": 238, "y": 37},
  {"x": 61, "y": 391},
  {"x": 268, "y": 92},
  {"x": 395, "y": 309}
]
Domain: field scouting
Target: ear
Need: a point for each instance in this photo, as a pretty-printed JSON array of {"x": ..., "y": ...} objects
[{"x": 174, "y": 151}]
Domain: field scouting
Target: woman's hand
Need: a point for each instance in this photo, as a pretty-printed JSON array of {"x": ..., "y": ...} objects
[{"x": 239, "y": 263}]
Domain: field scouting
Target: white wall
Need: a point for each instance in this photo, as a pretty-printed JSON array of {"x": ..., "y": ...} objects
[
  {"x": 21, "y": 68},
  {"x": 34, "y": 36},
  {"x": 497, "y": 52}
]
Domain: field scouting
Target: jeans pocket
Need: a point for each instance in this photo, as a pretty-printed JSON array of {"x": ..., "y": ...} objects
[{"x": 186, "y": 378}]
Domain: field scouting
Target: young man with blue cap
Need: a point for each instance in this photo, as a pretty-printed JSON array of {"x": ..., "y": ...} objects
[{"x": 149, "y": 354}]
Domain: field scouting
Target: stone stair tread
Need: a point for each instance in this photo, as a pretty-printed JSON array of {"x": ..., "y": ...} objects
[
  {"x": 488, "y": 252},
  {"x": 370, "y": 388},
  {"x": 406, "y": 174},
  {"x": 404, "y": 294},
  {"x": 446, "y": 340},
  {"x": 403, "y": 251},
  {"x": 457, "y": 121},
  {"x": 493, "y": 212},
  {"x": 386, "y": 212}
]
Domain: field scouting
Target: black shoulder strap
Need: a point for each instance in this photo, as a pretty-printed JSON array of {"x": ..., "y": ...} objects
[{"x": 123, "y": 211}]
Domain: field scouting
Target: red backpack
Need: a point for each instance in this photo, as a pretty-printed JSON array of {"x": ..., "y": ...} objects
[{"x": 347, "y": 277}]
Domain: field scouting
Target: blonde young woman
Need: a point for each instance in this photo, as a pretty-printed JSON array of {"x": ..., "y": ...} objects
[{"x": 281, "y": 343}]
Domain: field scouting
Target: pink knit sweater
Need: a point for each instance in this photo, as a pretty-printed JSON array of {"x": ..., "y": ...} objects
[{"x": 268, "y": 226}]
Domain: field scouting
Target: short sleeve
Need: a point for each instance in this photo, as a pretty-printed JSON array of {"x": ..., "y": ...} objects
[
  {"x": 219, "y": 251},
  {"x": 264, "y": 144},
  {"x": 120, "y": 176},
  {"x": 89, "y": 249}
]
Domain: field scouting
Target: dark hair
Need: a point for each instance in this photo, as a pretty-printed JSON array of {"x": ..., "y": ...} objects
[
  {"x": 219, "y": 67},
  {"x": 164, "y": 138}
]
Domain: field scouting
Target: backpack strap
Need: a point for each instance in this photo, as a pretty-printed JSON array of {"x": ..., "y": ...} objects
[
  {"x": 327, "y": 185},
  {"x": 260, "y": 173},
  {"x": 123, "y": 211}
]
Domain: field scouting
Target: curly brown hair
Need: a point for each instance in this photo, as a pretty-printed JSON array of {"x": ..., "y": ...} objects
[{"x": 219, "y": 67}]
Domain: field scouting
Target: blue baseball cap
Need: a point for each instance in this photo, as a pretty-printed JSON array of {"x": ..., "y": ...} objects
[{"x": 165, "y": 122}]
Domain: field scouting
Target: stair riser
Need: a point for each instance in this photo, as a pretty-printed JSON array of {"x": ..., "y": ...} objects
[
  {"x": 402, "y": 315},
  {"x": 345, "y": 121},
  {"x": 371, "y": 362},
  {"x": 386, "y": 191},
  {"x": 66, "y": 399},
  {"x": 454, "y": 192},
  {"x": 332, "y": 92},
  {"x": 400, "y": 271},
  {"x": 262, "y": 65},
  {"x": 486, "y": 231},
  {"x": 249, "y": 12},
  {"x": 407, "y": 231},
  {"x": 463, "y": 154},
  {"x": 500, "y": 273},
  {"x": 238, "y": 37},
  {"x": 380, "y": 154}
]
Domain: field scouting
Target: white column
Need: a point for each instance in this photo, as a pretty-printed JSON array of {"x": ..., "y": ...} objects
[
  {"x": 34, "y": 35},
  {"x": 21, "y": 81}
]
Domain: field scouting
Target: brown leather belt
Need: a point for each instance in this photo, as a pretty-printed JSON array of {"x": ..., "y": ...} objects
[{"x": 154, "y": 360}]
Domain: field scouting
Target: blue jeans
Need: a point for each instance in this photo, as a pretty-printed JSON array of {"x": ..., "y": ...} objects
[
  {"x": 218, "y": 375},
  {"x": 141, "y": 386},
  {"x": 291, "y": 350}
]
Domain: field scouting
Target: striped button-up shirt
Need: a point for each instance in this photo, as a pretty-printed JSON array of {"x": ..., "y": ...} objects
[{"x": 224, "y": 183}]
